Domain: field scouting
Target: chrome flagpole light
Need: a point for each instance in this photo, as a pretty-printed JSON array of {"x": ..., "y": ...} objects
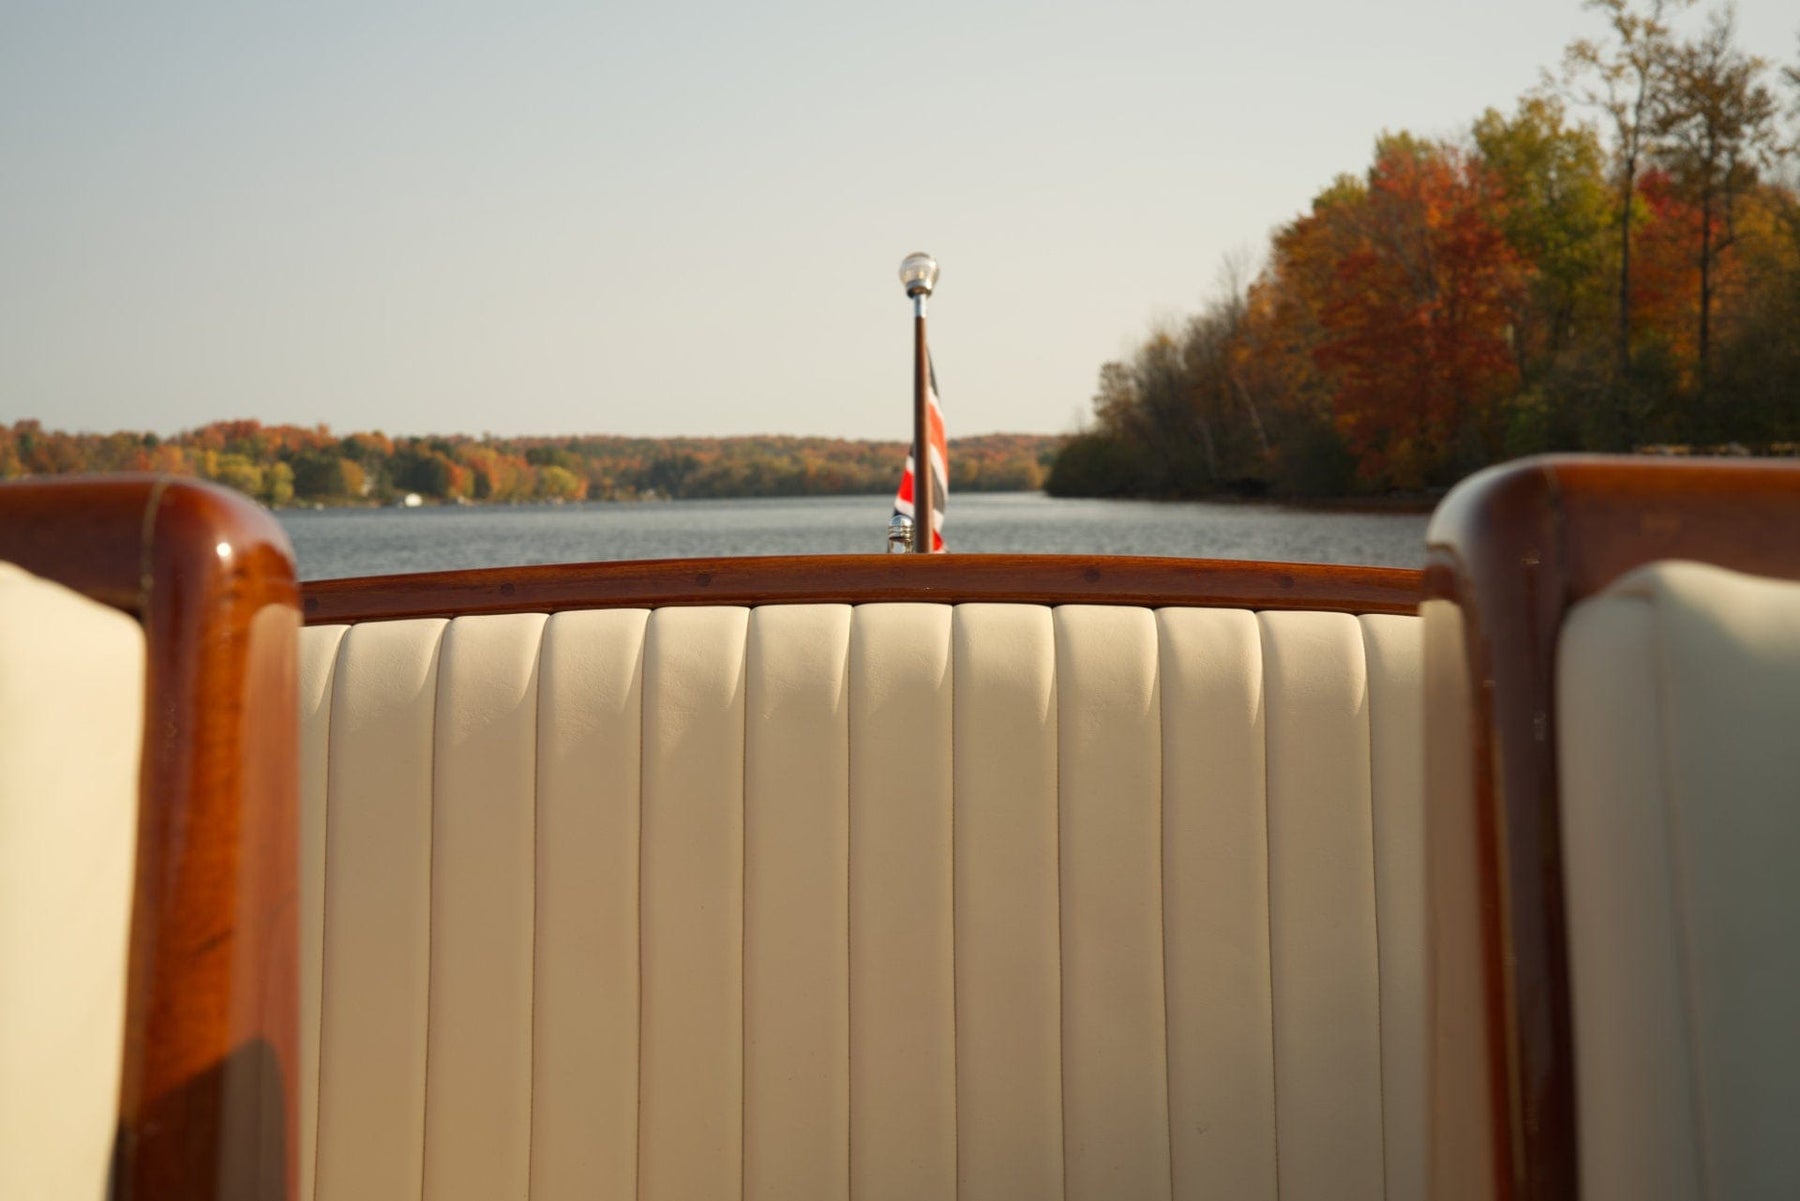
[{"x": 919, "y": 275}]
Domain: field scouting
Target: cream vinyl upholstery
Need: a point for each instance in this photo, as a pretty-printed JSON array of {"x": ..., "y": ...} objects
[
  {"x": 71, "y": 728},
  {"x": 1679, "y": 743},
  {"x": 889, "y": 901}
]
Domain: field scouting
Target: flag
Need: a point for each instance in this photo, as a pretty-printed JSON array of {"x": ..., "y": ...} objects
[{"x": 940, "y": 465}]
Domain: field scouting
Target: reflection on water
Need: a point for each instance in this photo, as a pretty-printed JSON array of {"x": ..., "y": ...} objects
[{"x": 349, "y": 542}]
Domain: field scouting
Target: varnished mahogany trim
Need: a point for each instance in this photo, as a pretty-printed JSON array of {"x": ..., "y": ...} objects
[
  {"x": 856, "y": 579},
  {"x": 1509, "y": 552},
  {"x": 208, "y": 1105}
]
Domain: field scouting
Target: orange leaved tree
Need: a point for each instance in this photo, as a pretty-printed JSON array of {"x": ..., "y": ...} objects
[{"x": 1413, "y": 284}]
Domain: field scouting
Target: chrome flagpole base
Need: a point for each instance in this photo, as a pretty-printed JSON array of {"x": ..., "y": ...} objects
[{"x": 900, "y": 534}]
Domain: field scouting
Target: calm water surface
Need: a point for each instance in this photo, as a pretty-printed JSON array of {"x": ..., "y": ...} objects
[{"x": 350, "y": 542}]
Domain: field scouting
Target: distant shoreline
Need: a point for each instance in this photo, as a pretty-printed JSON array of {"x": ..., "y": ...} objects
[
  {"x": 1403, "y": 504},
  {"x": 288, "y": 466}
]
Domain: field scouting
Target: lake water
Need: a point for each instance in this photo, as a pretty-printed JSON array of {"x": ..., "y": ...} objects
[{"x": 352, "y": 542}]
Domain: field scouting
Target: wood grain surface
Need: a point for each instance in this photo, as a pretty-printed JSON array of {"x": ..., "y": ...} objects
[{"x": 855, "y": 579}]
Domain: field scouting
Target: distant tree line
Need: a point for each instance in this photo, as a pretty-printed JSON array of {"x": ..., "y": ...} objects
[
  {"x": 285, "y": 464},
  {"x": 1613, "y": 265}
]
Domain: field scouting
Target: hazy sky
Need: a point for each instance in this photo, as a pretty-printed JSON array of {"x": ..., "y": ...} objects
[{"x": 548, "y": 218}]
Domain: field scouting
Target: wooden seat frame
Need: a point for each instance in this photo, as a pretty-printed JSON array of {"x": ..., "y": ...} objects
[
  {"x": 209, "y": 1091},
  {"x": 1510, "y": 551},
  {"x": 207, "y": 1099}
]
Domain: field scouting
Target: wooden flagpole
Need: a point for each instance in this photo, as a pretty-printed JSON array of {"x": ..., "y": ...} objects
[{"x": 922, "y": 497}]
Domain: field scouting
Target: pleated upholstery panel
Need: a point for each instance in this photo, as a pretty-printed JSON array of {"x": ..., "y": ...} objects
[
  {"x": 483, "y": 848},
  {"x": 1007, "y": 938},
  {"x": 1396, "y": 718},
  {"x": 1322, "y": 948},
  {"x": 1676, "y": 693},
  {"x": 1216, "y": 905},
  {"x": 72, "y": 709},
  {"x": 318, "y": 665},
  {"x": 886, "y": 901},
  {"x": 691, "y": 899},
  {"x": 375, "y": 959},
  {"x": 902, "y": 923},
  {"x": 585, "y": 1000},
  {"x": 797, "y": 903},
  {"x": 1109, "y": 837}
]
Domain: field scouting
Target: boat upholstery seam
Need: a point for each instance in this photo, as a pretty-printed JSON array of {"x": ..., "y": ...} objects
[
  {"x": 1262, "y": 671},
  {"x": 744, "y": 908},
  {"x": 339, "y": 653},
  {"x": 637, "y": 1113},
  {"x": 847, "y": 692},
  {"x": 537, "y": 718},
  {"x": 1162, "y": 888},
  {"x": 437, "y": 692},
  {"x": 955, "y": 975},
  {"x": 1381, "y": 1059},
  {"x": 1062, "y": 1008}
]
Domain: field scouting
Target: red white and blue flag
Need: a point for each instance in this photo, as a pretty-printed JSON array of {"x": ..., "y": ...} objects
[{"x": 940, "y": 467}]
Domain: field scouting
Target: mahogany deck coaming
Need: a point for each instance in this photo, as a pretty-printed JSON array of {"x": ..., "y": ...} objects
[
  {"x": 861, "y": 579},
  {"x": 1513, "y": 550}
]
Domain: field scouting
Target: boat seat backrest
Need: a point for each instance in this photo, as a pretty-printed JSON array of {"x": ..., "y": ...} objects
[
  {"x": 71, "y": 727},
  {"x": 884, "y": 901},
  {"x": 1678, "y": 700}
]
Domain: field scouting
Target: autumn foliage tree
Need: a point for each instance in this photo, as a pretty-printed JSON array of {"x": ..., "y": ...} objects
[
  {"x": 1623, "y": 77},
  {"x": 1716, "y": 121},
  {"x": 1542, "y": 284},
  {"x": 1414, "y": 294}
]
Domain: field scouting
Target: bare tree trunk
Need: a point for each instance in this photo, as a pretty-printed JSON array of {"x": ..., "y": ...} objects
[
  {"x": 1621, "y": 384},
  {"x": 1256, "y": 423},
  {"x": 1706, "y": 257},
  {"x": 1208, "y": 449},
  {"x": 1624, "y": 347}
]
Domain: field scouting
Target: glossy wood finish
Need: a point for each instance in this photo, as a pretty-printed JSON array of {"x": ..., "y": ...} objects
[
  {"x": 925, "y": 497},
  {"x": 1510, "y": 551},
  {"x": 208, "y": 1105},
  {"x": 856, "y": 579}
]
